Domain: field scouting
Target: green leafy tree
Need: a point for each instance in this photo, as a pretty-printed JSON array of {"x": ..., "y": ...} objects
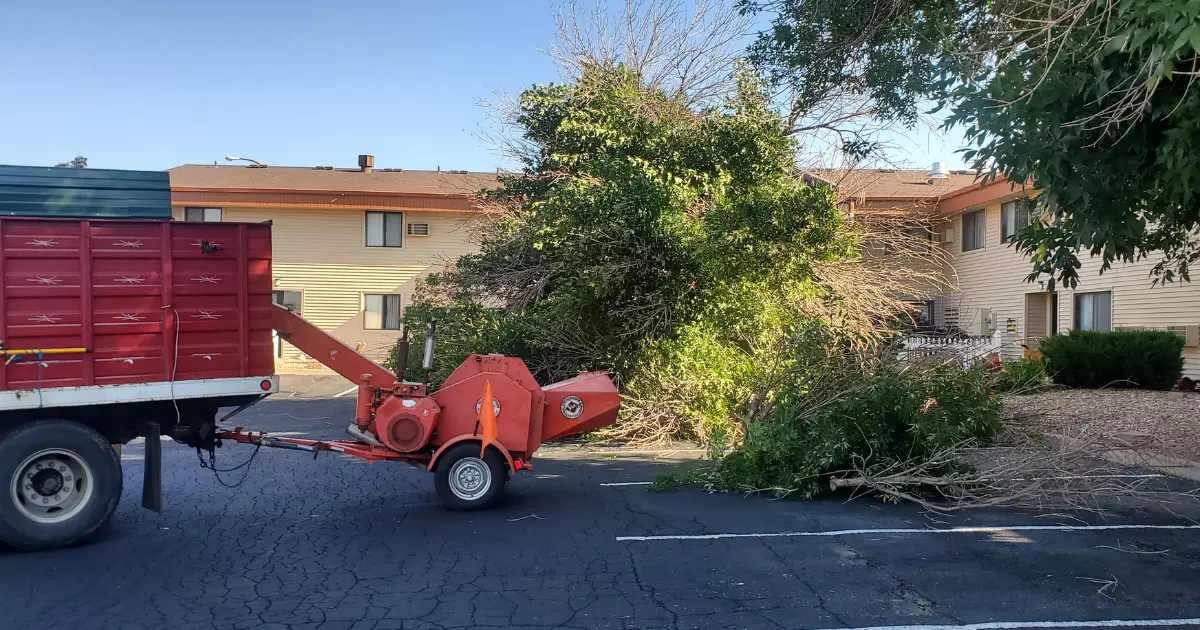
[
  {"x": 642, "y": 234},
  {"x": 1091, "y": 101},
  {"x": 78, "y": 162}
]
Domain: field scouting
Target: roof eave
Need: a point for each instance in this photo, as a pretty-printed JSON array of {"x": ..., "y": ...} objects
[{"x": 321, "y": 191}]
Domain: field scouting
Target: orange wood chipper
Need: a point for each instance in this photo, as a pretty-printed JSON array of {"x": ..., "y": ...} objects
[{"x": 448, "y": 431}]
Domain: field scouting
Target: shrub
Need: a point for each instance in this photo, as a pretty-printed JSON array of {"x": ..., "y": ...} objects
[
  {"x": 1023, "y": 376},
  {"x": 1149, "y": 359},
  {"x": 886, "y": 418}
]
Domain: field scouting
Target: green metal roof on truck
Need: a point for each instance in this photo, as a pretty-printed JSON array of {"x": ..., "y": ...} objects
[{"x": 83, "y": 193}]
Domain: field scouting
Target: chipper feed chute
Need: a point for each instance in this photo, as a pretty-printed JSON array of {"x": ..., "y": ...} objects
[{"x": 470, "y": 451}]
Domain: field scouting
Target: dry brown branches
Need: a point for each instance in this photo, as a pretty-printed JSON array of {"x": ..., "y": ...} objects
[
  {"x": 685, "y": 49},
  {"x": 1027, "y": 469}
]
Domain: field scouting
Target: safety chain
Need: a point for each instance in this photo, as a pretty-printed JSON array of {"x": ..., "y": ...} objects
[{"x": 211, "y": 464}]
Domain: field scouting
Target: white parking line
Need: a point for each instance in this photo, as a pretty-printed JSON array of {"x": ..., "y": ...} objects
[
  {"x": 1148, "y": 476},
  {"x": 904, "y": 530},
  {"x": 1151, "y": 476},
  {"x": 659, "y": 451},
  {"x": 1006, "y": 625}
]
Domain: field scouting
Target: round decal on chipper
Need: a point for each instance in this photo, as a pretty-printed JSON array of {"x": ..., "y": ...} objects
[
  {"x": 572, "y": 407},
  {"x": 495, "y": 405}
]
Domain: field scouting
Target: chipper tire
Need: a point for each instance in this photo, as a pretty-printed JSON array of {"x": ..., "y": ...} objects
[
  {"x": 465, "y": 482},
  {"x": 60, "y": 481}
]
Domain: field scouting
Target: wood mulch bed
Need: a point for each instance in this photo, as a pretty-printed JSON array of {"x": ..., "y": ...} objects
[{"x": 1166, "y": 422}]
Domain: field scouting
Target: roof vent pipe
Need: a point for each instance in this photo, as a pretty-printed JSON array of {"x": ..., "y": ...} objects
[
  {"x": 939, "y": 170},
  {"x": 366, "y": 163}
]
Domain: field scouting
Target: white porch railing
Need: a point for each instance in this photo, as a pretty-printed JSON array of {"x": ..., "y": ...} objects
[{"x": 949, "y": 347}]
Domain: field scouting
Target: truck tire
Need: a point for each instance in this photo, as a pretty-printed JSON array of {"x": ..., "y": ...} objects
[
  {"x": 465, "y": 482},
  {"x": 60, "y": 481}
]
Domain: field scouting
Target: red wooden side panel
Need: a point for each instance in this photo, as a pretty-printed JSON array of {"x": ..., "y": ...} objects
[
  {"x": 127, "y": 299},
  {"x": 144, "y": 296}
]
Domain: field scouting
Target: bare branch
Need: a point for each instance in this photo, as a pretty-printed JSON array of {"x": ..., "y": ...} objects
[{"x": 688, "y": 50}]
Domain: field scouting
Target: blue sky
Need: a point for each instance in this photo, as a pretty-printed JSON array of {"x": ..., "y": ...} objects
[{"x": 152, "y": 84}]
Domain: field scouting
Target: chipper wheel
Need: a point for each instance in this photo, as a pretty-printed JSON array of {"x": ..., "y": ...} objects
[
  {"x": 59, "y": 482},
  {"x": 466, "y": 482}
]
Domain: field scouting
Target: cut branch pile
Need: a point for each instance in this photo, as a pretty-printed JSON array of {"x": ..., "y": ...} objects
[{"x": 1027, "y": 469}]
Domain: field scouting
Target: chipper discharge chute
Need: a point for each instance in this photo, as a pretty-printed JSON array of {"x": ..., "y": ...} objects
[{"x": 470, "y": 448}]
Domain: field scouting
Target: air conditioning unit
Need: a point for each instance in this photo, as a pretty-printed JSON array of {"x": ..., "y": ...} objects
[
  {"x": 418, "y": 229},
  {"x": 946, "y": 236},
  {"x": 1190, "y": 334}
]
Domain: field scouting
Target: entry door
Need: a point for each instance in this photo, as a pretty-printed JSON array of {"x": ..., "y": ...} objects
[{"x": 1041, "y": 316}]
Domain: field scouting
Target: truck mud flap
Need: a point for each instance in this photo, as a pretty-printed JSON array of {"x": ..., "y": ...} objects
[{"x": 152, "y": 477}]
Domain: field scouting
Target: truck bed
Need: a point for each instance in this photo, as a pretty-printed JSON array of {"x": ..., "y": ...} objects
[{"x": 141, "y": 302}]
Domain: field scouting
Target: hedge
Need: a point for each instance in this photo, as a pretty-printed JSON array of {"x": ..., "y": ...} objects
[{"x": 1147, "y": 359}]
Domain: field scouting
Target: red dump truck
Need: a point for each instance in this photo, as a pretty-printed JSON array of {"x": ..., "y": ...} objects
[{"x": 113, "y": 330}]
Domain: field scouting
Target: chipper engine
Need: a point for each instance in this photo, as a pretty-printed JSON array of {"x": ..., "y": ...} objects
[{"x": 484, "y": 422}]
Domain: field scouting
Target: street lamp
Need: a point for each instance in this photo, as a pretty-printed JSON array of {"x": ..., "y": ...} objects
[{"x": 234, "y": 158}]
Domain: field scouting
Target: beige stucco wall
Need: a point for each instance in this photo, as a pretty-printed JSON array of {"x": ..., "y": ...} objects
[
  {"x": 994, "y": 278},
  {"x": 322, "y": 254}
]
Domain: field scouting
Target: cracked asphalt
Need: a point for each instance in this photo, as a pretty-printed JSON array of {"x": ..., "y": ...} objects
[{"x": 337, "y": 544}]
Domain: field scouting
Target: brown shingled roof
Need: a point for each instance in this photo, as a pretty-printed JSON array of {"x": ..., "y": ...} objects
[
  {"x": 894, "y": 184},
  {"x": 298, "y": 178}
]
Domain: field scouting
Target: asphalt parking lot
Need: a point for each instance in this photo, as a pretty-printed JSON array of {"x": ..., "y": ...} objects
[{"x": 334, "y": 544}]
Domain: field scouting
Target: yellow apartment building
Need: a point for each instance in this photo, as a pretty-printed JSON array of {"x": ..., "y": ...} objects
[
  {"x": 972, "y": 225},
  {"x": 348, "y": 244}
]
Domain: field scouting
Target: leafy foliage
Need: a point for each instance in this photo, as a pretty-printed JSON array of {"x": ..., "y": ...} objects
[
  {"x": 880, "y": 49},
  {"x": 79, "y": 161},
  {"x": 1148, "y": 359},
  {"x": 1090, "y": 100},
  {"x": 889, "y": 417},
  {"x": 675, "y": 247},
  {"x": 1026, "y": 375},
  {"x": 463, "y": 328},
  {"x": 638, "y": 227}
]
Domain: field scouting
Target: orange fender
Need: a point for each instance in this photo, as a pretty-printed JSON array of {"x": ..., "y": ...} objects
[{"x": 471, "y": 438}]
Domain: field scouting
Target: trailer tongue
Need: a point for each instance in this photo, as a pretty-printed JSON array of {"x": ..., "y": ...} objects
[{"x": 447, "y": 431}]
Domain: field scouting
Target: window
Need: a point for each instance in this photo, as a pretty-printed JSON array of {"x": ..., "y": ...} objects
[
  {"x": 211, "y": 215},
  {"x": 287, "y": 299},
  {"x": 920, "y": 238},
  {"x": 974, "y": 230},
  {"x": 384, "y": 229},
  {"x": 291, "y": 301},
  {"x": 1093, "y": 311},
  {"x": 1014, "y": 215},
  {"x": 922, "y": 315},
  {"x": 381, "y": 312}
]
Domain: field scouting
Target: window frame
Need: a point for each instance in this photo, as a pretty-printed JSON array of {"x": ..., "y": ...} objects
[
  {"x": 300, "y": 303},
  {"x": 204, "y": 210},
  {"x": 1077, "y": 299},
  {"x": 383, "y": 311},
  {"x": 383, "y": 240},
  {"x": 923, "y": 238},
  {"x": 1017, "y": 207},
  {"x": 276, "y": 340},
  {"x": 980, "y": 232}
]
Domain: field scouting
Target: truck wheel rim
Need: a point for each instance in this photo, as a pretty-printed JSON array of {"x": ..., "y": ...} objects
[
  {"x": 470, "y": 478},
  {"x": 51, "y": 486}
]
